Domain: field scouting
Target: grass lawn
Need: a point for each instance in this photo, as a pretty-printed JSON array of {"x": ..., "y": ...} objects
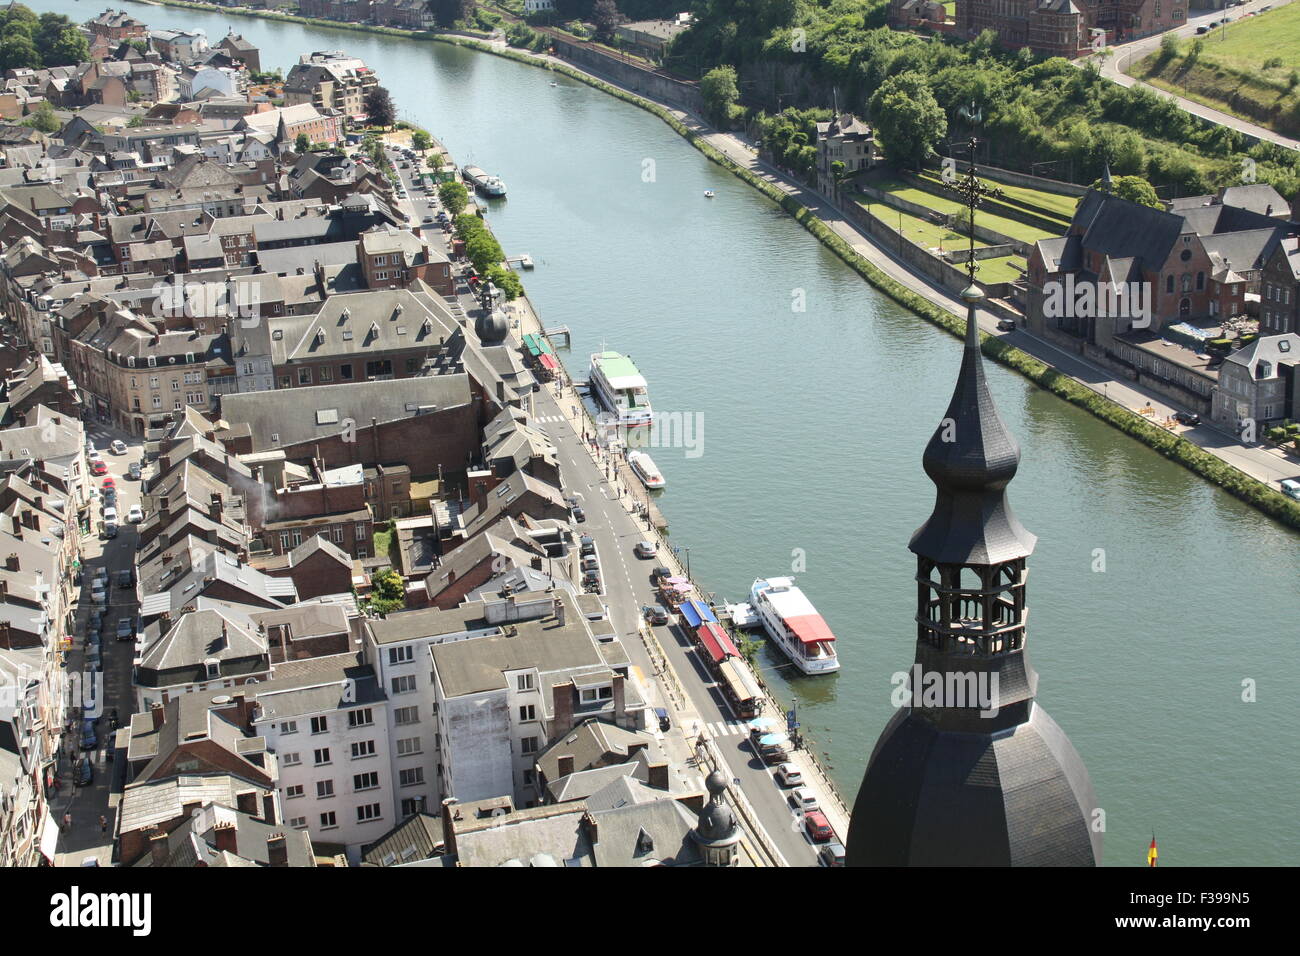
[
  {"x": 1058, "y": 205},
  {"x": 1007, "y": 227},
  {"x": 1230, "y": 75},
  {"x": 920, "y": 231},
  {"x": 1248, "y": 42},
  {"x": 385, "y": 542},
  {"x": 1001, "y": 269}
]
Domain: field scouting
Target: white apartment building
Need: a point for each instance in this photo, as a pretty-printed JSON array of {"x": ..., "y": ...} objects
[{"x": 330, "y": 733}]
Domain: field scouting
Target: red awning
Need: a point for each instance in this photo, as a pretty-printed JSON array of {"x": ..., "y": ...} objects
[
  {"x": 716, "y": 642},
  {"x": 809, "y": 628},
  {"x": 548, "y": 361}
]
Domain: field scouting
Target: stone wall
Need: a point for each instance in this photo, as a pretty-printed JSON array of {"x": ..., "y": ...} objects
[{"x": 629, "y": 75}]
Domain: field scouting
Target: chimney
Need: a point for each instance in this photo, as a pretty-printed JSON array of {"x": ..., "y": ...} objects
[
  {"x": 589, "y": 826},
  {"x": 565, "y": 766},
  {"x": 158, "y": 847},
  {"x": 11, "y": 563},
  {"x": 562, "y": 707},
  {"x": 226, "y": 838},
  {"x": 620, "y": 699},
  {"x": 277, "y": 850},
  {"x": 214, "y": 507},
  {"x": 449, "y": 818},
  {"x": 4, "y": 590},
  {"x": 158, "y": 714}
]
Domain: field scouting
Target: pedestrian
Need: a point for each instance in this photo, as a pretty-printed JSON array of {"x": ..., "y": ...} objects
[
  {"x": 67, "y": 822},
  {"x": 103, "y": 823}
]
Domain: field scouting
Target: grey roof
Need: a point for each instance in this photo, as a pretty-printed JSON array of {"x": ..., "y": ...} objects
[
  {"x": 1274, "y": 349},
  {"x": 942, "y": 798},
  {"x": 970, "y": 458},
  {"x": 268, "y": 413},
  {"x": 201, "y": 636},
  {"x": 416, "y": 838},
  {"x": 657, "y": 833},
  {"x": 584, "y": 783},
  {"x": 1118, "y": 227}
]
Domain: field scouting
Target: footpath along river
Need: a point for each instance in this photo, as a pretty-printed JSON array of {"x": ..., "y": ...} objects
[{"x": 813, "y": 424}]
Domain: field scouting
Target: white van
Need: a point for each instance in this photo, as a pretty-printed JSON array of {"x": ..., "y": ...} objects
[{"x": 1291, "y": 488}]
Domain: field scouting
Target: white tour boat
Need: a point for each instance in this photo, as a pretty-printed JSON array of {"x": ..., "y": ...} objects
[
  {"x": 794, "y": 624},
  {"x": 620, "y": 387},
  {"x": 646, "y": 469}
]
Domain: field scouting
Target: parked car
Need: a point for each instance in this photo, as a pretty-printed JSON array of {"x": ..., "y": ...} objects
[
  {"x": 125, "y": 578},
  {"x": 587, "y": 544},
  {"x": 789, "y": 775},
  {"x": 1291, "y": 488},
  {"x": 1006, "y": 325},
  {"x": 110, "y": 514},
  {"x": 591, "y": 578},
  {"x": 109, "y": 482},
  {"x": 645, "y": 549},
  {"x": 135, "y": 515},
  {"x": 126, "y": 628},
  {"x": 1187, "y": 418},
  {"x": 118, "y": 447},
  {"x": 590, "y": 563},
  {"x": 99, "y": 594},
  {"x": 817, "y": 827},
  {"x": 1202, "y": 29},
  {"x": 96, "y": 623},
  {"x": 578, "y": 514},
  {"x": 110, "y": 529},
  {"x": 659, "y": 573},
  {"x": 133, "y": 471},
  {"x": 97, "y": 467},
  {"x": 89, "y": 740},
  {"x": 655, "y": 613},
  {"x": 832, "y": 854},
  {"x": 85, "y": 777},
  {"x": 803, "y": 800},
  {"x": 664, "y": 721},
  {"x": 110, "y": 498}
]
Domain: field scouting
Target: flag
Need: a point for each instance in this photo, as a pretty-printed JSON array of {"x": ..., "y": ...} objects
[{"x": 1151, "y": 852}]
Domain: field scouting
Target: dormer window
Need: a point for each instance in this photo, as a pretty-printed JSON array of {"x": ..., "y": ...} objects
[
  {"x": 374, "y": 329},
  {"x": 320, "y": 336}
]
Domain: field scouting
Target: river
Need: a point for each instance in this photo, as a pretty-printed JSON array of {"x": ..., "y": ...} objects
[{"x": 813, "y": 427}]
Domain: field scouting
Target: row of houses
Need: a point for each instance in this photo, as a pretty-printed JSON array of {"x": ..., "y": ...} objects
[{"x": 1201, "y": 265}]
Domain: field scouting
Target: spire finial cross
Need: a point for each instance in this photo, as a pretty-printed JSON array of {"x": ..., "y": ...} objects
[{"x": 973, "y": 191}]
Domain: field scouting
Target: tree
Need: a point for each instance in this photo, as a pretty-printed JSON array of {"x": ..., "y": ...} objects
[
  {"x": 18, "y": 51},
  {"x": 389, "y": 593},
  {"x": 378, "y": 105},
  {"x": 1135, "y": 189},
  {"x": 447, "y": 12},
  {"x": 605, "y": 15},
  {"x": 719, "y": 90},
  {"x": 421, "y": 140},
  {"x": 908, "y": 120},
  {"x": 43, "y": 119},
  {"x": 506, "y": 281},
  {"x": 302, "y": 144},
  {"x": 454, "y": 196},
  {"x": 67, "y": 49}
]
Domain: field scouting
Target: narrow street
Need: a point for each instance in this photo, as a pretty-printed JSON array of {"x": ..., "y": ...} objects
[{"x": 86, "y": 839}]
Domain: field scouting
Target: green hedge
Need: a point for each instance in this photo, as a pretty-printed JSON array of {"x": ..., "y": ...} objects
[{"x": 1250, "y": 490}]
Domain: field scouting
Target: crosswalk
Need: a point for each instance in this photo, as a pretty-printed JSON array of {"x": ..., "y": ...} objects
[
  {"x": 729, "y": 728},
  {"x": 548, "y": 419}
]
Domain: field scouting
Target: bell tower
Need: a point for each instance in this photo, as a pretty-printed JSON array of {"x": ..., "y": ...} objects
[{"x": 971, "y": 771}]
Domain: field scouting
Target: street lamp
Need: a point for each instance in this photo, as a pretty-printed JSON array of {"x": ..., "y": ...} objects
[{"x": 677, "y": 549}]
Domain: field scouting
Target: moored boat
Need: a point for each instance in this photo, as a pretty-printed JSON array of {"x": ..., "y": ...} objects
[
  {"x": 646, "y": 470},
  {"x": 794, "y": 624},
  {"x": 488, "y": 185},
  {"x": 619, "y": 386}
]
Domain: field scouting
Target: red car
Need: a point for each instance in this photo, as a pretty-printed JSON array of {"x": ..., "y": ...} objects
[
  {"x": 98, "y": 468},
  {"x": 818, "y": 827},
  {"x": 108, "y": 482}
]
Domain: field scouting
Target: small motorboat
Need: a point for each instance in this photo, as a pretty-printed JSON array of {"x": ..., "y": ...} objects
[{"x": 708, "y": 194}]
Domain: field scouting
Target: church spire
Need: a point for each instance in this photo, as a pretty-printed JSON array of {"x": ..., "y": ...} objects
[{"x": 971, "y": 771}]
